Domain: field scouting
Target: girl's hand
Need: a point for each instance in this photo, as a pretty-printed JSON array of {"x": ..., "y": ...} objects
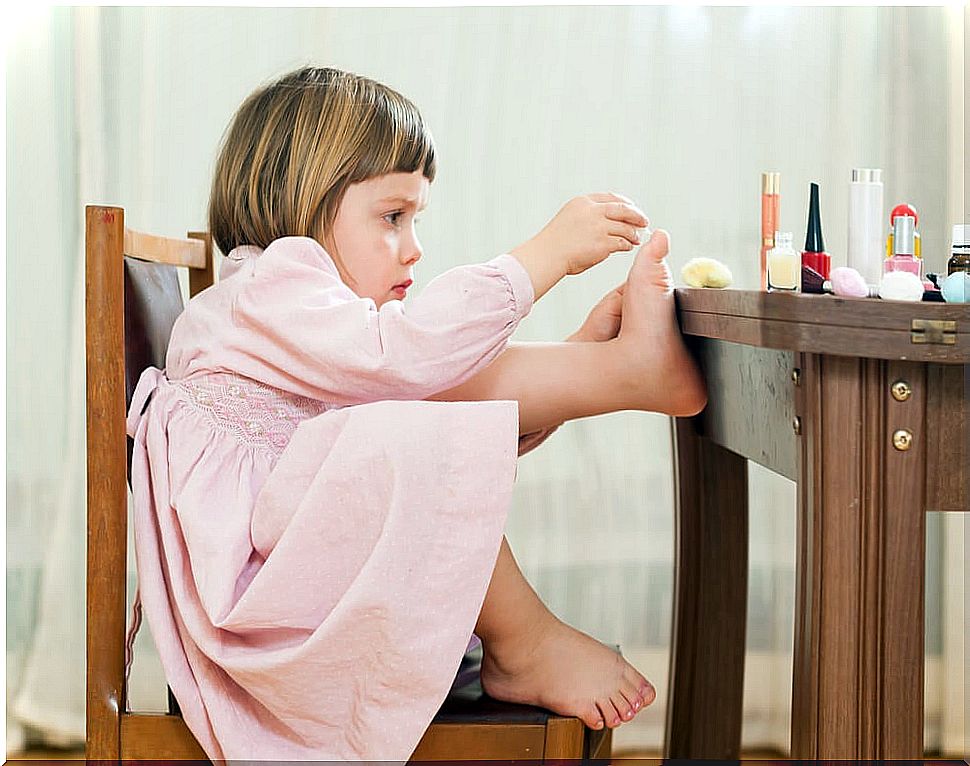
[
  {"x": 603, "y": 322},
  {"x": 587, "y": 229}
]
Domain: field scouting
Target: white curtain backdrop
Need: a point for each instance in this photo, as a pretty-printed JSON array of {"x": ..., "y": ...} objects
[{"x": 679, "y": 107}]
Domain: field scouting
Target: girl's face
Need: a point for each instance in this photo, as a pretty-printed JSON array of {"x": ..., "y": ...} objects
[{"x": 374, "y": 234}]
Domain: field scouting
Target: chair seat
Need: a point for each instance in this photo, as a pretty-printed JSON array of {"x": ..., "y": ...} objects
[
  {"x": 471, "y": 726},
  {"x": 467, "y": 703}
]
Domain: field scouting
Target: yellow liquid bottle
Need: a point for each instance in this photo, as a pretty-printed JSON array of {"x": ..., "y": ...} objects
[{"x": 784, "y": 265}]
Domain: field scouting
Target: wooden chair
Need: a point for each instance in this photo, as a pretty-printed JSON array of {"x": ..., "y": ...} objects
[{"x": 132, "y": 301}]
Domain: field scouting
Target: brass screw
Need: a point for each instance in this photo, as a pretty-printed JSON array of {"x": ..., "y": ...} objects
[
  {"x": 796, "y": 375},
  {"x": 901, "y": 391},
  {"x": 796, "y": 425},
  {"x": 902, "y": 439}
]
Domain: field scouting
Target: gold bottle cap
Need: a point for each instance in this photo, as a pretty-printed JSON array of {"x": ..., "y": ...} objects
[{"x": 771, "y": 183}]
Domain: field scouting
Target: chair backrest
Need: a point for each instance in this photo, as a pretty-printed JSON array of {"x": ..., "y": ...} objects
[
  {"x": 153, "y": 301},
  {"x": 132, "y": 298}
]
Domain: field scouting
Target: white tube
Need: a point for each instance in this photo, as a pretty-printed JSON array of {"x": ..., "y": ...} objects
[{"x": 865, "y": 253}]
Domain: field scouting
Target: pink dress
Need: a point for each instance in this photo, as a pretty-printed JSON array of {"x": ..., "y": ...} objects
[{"x": 313, "y": 541}]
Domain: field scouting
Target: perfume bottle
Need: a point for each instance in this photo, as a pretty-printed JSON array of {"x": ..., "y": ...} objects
[
  {"x": 770, "y": 203},
  {"x": 784, "y": 265}
]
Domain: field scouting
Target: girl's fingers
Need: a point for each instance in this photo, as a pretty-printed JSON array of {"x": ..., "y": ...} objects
[
  {"x": 620, "y": 244},
  {"x": 620, "y": 208},
  {"x": 627, "y": 213},
  {"x": 627, "y": 232},
  {"x": 609, "y": 197}
]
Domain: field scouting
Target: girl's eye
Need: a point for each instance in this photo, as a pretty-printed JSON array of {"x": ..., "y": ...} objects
[{"x": 394, "y": 216}]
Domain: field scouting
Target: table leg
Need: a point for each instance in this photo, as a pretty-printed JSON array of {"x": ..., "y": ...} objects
[
  {"x": 858, "y": 655},
  {"x": 710, "y": 598}
]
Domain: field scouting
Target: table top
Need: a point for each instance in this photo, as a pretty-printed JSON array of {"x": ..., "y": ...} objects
[{"x": 827, "y": 324}]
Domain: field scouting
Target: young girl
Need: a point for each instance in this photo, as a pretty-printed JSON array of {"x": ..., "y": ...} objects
[{"x": 321, "y": 474}]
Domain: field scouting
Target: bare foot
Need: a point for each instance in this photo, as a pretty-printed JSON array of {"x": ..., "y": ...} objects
[
  {"x": 567, "y": 672},
  {"x": 650, "y": 336}
]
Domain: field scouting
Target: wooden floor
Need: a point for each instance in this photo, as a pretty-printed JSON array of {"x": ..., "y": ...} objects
[
  {"x": 46, "y": 755},
  {"x": 645, "y": 758}
]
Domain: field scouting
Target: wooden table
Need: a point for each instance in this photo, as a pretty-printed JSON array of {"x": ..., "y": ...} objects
[{"x": 863, "y": 403}]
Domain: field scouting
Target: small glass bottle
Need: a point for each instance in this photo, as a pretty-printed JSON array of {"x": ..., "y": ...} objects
[
  {"x": 960, "y": 257},
  {"x": 784, "y": 265}
]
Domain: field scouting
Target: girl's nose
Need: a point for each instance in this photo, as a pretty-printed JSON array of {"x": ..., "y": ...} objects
[{"x": 412, "y": 251}]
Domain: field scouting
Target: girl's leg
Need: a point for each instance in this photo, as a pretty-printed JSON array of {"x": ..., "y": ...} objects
[
  {"x": 647, "y": 367},
  {"x": 532, "y": 657},
  {"x": 529, "y": 655},
  {"x": 553, "y": 382}
]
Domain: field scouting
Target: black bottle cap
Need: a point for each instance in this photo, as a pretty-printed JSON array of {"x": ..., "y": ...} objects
[{"x": 813, "y": 237}]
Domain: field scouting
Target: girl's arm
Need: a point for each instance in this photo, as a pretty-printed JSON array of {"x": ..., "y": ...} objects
[{"x": 528, "y": 442}]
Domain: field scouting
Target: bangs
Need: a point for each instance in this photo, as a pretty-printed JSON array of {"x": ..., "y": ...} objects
[{"x": 397, "y": 141}]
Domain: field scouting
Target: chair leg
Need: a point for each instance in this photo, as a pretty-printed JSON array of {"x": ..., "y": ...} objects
[{"x": 599, "y": 747}]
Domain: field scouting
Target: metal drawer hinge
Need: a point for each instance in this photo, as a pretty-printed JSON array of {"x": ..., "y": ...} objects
[{"x": 934, "y": 331}]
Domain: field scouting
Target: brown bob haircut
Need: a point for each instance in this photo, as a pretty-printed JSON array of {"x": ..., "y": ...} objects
[{"x": 297, "y": 144}]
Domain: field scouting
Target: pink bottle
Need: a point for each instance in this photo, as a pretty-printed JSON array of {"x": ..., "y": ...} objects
[{"x": 904, "y": 248}]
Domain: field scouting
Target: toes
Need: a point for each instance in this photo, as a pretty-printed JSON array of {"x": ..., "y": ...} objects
[
  {"x": 657, "y": 246},
  {"x": 632, "y": 696},
  {"x": 592, "y": 717},
  {"x": 642, "y": 686},
  {"x": 610, "y": 714},
  {"x": 622, "y": 705},
  {"x": 634, "y": 678}
]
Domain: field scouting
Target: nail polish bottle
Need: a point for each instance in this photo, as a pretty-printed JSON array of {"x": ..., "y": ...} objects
[
  {"x": 784, "y": 265},
  {"x": 814, "y": 255},
  {"x": 904, "y": 209},
  {"x": 903, "y": 257}
]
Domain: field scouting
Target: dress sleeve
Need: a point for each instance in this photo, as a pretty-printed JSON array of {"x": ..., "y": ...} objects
[{"x": 295, "y": 324}]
